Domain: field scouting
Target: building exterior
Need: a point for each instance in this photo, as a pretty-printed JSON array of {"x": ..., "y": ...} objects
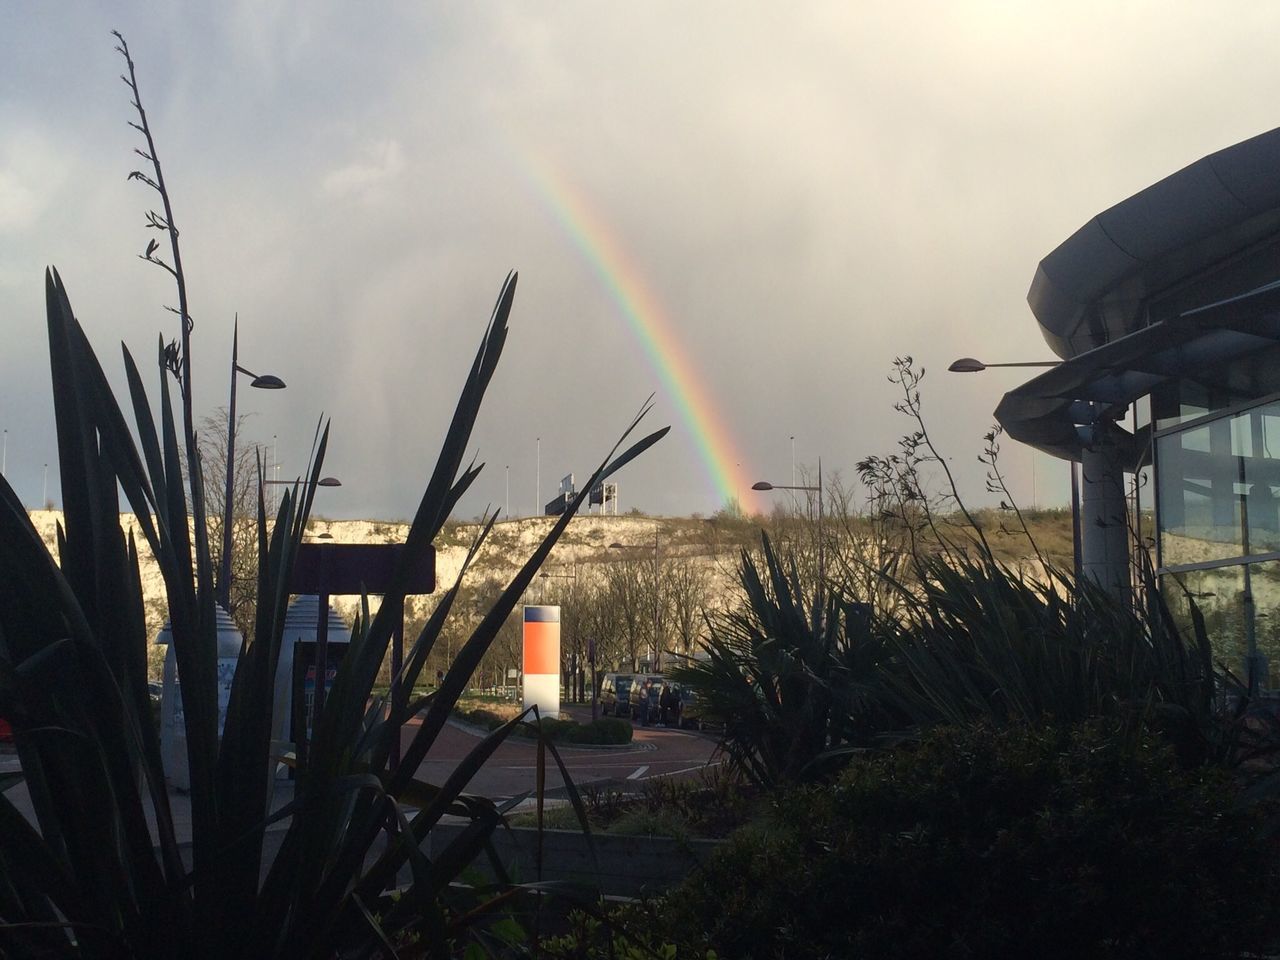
[{"x": 1165, "y": 310}]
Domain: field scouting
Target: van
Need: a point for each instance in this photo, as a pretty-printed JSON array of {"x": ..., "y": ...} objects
[
  {"x": 646, "y": 694},
  {"x": 615, "y": 694}
]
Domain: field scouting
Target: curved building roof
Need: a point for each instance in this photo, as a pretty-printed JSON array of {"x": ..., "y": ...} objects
[
  {"x": 1094, "y": 287},
  {"x": 1123, "y": 300}
]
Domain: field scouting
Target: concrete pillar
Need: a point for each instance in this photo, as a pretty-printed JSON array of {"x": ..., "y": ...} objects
[{"x": 1104, "y": 530}]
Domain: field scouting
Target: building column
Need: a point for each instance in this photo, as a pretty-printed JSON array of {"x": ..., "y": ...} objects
[{"x": 1104, "y": 529}]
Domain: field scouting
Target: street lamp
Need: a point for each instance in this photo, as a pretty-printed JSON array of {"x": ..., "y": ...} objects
[
  {"x": 766, "y": 485},
  {"x": 544, "y": 576},
  {"x": 970, "y": 365},
  {"x": 265, "y": 382},
  {"x": 574, "y": 688},
  {"x": 322, "y": 482}
]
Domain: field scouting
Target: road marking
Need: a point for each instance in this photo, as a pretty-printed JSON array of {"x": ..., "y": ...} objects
[
  {"x": 638, "y": 774},
  {"x": 580, "y": 768},
  {"x": 702, "y": 766}
]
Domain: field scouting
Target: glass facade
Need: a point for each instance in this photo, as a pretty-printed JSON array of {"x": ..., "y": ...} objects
[
  {"x": 1218, "y": 485},
  {"x": 1224, "y": 596}
]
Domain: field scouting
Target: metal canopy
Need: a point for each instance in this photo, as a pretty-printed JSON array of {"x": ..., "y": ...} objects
[
  {"x": 1075, "y": 404},
  {"x": 1163, "y": 243}
]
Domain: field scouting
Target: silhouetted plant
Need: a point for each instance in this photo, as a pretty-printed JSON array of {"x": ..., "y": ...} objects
[
  {"x": 89, "y": 878},
  {"x": 1030, "y": 841},
  {"x": 790, "y": 673}
]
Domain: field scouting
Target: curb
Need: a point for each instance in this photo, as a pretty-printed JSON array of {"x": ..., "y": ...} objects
[{"x": 476, "y": 731}]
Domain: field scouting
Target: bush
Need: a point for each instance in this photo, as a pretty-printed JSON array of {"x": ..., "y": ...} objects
[
  {"x": 790, "y": 672},
  {"x": 606, "y": 730},
  {"x": 485, "y": 719},
  {"x": 975, "y": 842},
  {"x": 601, "y": 731}
]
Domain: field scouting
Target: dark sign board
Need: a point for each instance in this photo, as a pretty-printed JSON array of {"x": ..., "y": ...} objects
[
  {"x": 335, "y": 569},
  {"x": 557, "y": 506}
]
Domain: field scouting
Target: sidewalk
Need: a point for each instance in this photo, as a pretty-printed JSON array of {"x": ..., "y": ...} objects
[{"x": 179, "y": 801}]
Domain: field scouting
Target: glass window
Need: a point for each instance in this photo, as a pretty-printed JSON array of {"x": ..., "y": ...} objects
[
  {"x": 1142, "y": 412},
  {"x": 1219, "y": 488},
  {"x": 1220, "y": 595},
  {"x": 1221, "y": 380}
]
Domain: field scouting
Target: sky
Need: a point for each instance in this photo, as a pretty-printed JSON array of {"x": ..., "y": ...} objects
[{"x": 746, "y": 209}]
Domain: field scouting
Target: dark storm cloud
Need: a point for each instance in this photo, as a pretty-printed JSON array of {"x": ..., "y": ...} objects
[{"x": 809, "y": 191}]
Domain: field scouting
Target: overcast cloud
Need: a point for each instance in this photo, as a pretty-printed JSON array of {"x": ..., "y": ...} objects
[{"x": 809, "y": 190}]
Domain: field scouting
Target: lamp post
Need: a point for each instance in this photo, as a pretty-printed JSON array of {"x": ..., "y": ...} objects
[
  {"x": 544, "y": 575},
  {"x": 542, "y": 598},
  {"x": 265, "y": 382},
  {"x": 322, "y": 482},
  {"x": 822, "y": 546},
  {"x": 970, "y": 365},
  {"x": 274, "y": 472}
]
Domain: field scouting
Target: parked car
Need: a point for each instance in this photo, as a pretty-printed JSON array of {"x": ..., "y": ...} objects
[
  {"x": 691, "y": 710},
  {"x": 615, "y": 694},
  {"x": 646, "y": 694}
]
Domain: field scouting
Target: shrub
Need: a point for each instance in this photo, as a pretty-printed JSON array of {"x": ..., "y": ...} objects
[
  {"x": 791, "y": 673},
  {"x": 483, "y": 718},
  {"x": 1043, "y": 842},
  {"x": 601, "y": 731},
  {"x": 553, "y": 728},
  {"x": 627, "y": 932},
  {"x": 713, "y": 804},
  {"x": 604, "y": 730}
]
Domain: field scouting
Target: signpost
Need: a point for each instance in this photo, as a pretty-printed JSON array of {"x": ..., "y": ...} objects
[{"x": 327, "y": 569}]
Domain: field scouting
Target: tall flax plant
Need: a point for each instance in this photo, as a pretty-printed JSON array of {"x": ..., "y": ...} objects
[
  {"x": 790, "y": 672},
  {"x": 973, "y": 639},
  {"x": 89, "y": 879},
  {"x": 101, "y": 873},
  {"x": 977, "y": 640}
]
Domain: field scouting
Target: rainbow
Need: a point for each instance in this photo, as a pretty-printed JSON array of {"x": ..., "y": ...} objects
[{"x": 652, "y": 327}]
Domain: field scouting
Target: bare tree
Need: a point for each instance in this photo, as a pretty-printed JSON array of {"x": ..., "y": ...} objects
[
  {"x": 599, "y": 620},
  {"x": 212, "y": 444},
  {"x": 688, "y": 592},
  {"x": 630, "y": 605}
]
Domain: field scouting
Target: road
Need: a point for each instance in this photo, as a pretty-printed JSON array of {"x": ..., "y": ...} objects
[
  {"x": 512, "y": 770},
  {"x": 654, "y": 752}
]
